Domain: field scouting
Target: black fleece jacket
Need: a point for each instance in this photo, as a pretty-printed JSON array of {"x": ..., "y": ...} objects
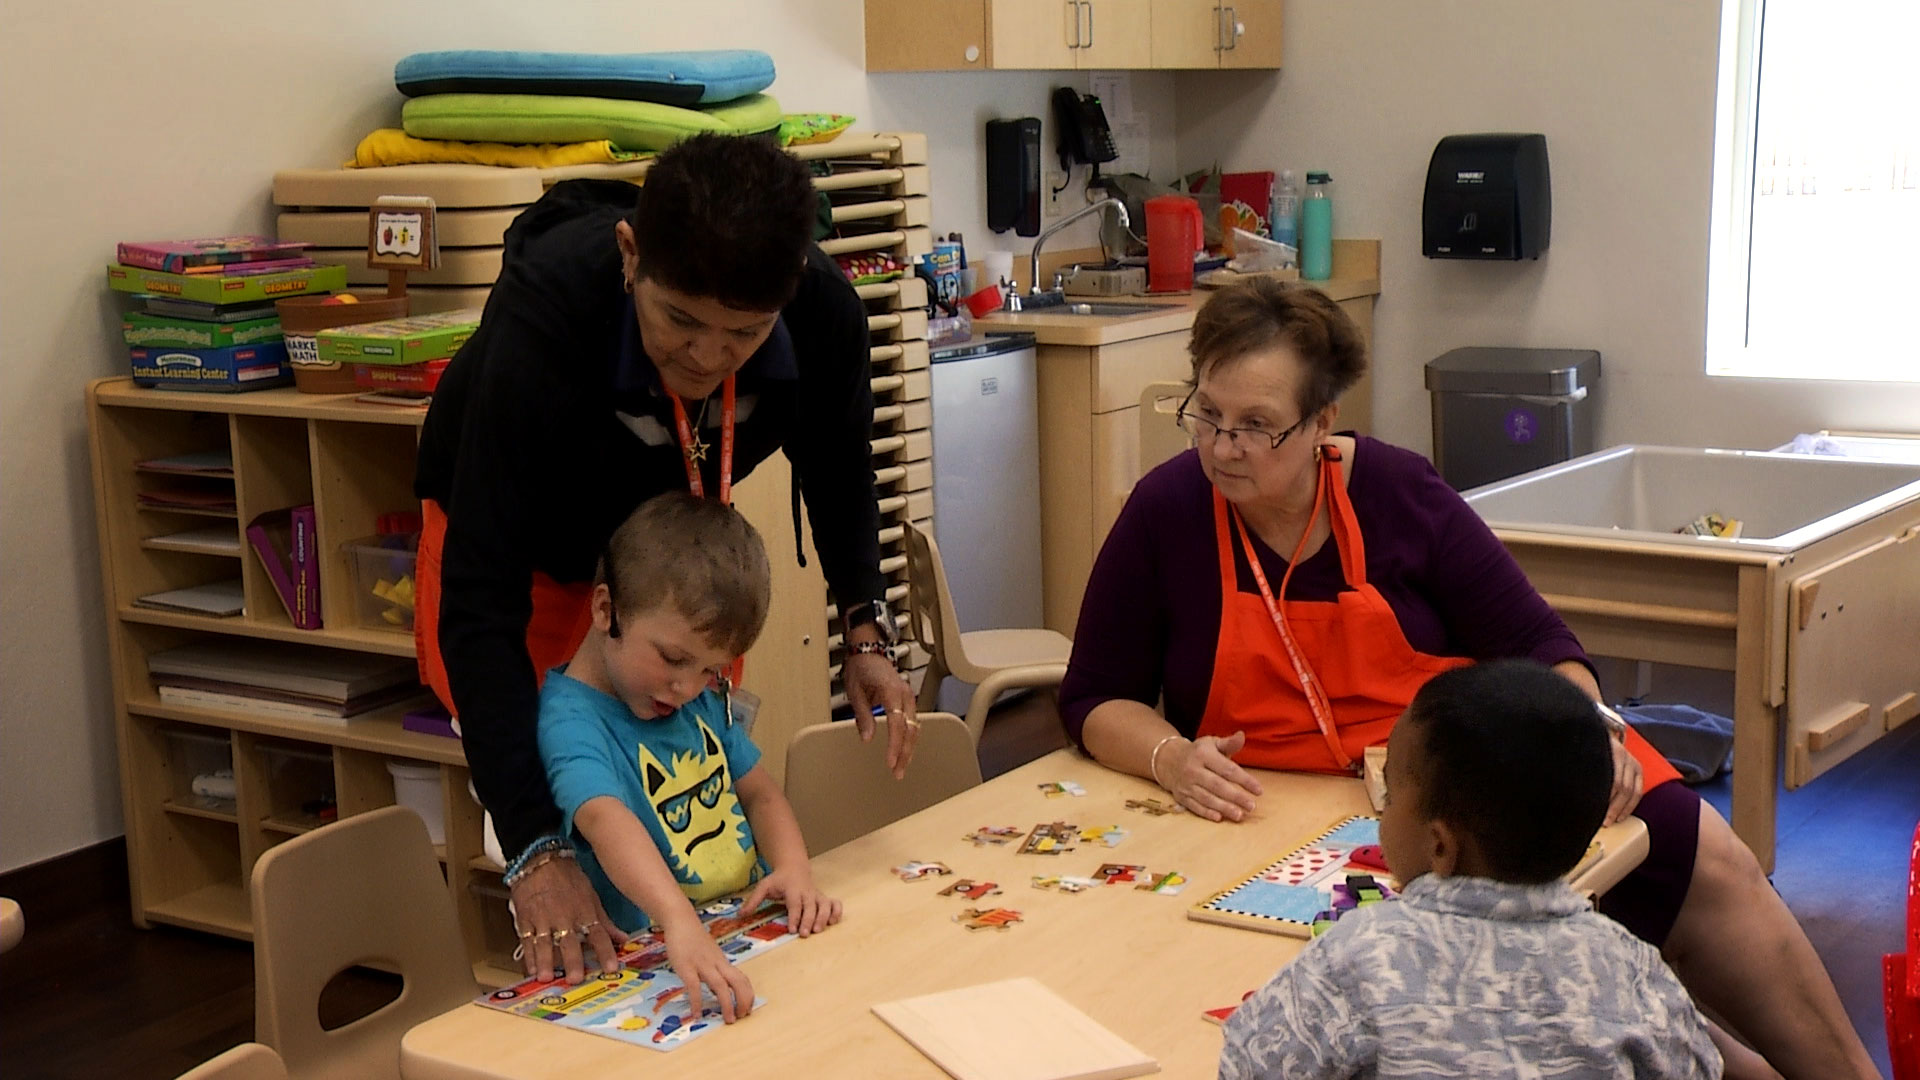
[{"x": 542, "y": 439}]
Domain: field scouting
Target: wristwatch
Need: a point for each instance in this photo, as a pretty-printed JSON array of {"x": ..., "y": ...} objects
[
  {"x": 875, "y": 614},
  {"x": 1616, "y": 724}
]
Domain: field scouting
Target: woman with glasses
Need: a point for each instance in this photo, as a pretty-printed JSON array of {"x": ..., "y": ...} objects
[{"x": 1275, "y": 597}]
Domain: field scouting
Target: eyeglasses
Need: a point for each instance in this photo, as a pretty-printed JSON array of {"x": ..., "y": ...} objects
[{"x": 1203, "y": 429}]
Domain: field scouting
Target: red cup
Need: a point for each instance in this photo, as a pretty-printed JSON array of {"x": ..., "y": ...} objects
[{"x": 985, "y": 302}]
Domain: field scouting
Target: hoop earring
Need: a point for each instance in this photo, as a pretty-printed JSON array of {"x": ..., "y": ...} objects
[{"x": 627, "y": 284}]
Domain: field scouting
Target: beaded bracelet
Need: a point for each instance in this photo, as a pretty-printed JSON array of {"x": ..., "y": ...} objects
[{"x": 538, "y": 854}]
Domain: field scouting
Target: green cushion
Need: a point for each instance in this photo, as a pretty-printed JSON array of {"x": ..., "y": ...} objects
[{"x": 529, "y": 118}]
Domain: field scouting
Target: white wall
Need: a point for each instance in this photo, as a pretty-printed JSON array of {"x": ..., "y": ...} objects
[
  {"x": 127, "y": 121},
  {"x": 1625, "y": 95}
]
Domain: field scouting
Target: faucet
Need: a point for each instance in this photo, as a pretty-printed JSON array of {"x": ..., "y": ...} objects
[{"x": 1013, "y": 302}]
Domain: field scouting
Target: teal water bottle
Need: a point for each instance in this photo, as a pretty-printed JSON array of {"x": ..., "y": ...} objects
[{"x": 1316, "y": 229}]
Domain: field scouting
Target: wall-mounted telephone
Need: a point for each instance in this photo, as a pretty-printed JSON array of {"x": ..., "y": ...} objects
[{"x": 1084, "y": 134}]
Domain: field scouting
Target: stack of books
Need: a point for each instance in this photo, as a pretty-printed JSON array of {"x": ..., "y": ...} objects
[
  {"x": 297, "y": 681},
  {"x": 285, "y": 541},
  {"x": 400, "y": 357},
  {"x": 207, "y": 320}
]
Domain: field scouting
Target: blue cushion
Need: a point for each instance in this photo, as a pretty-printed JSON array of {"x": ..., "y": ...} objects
[{"x": 669, "y": 78}]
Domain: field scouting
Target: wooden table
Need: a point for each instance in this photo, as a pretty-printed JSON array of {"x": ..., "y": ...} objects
[{"x": 1131, "y": 960}]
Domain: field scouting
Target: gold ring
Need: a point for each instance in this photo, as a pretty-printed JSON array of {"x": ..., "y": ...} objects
[
  {"x": 587, "y": 928},
  {"x": 527, "y": 935},
  {"x": 561, "y": 933}
]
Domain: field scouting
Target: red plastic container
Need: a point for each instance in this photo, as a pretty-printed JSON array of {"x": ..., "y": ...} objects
[
  {"x": 420, "y": 378},
  {"x": 1175, "y": 231}
]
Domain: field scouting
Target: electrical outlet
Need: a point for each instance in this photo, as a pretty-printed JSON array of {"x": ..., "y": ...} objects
[{"x": 1053, "y": 197}]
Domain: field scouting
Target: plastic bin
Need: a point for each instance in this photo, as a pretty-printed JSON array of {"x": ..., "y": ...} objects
[
  {"x": 417, "y": 787},
  {"x": 383, "y": 581},
  {"x": 1502, "y": 412},
  {"x": 202, "y": 768}
]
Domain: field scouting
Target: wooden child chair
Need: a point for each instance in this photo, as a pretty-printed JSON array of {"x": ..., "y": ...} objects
[
  {"x": 366, "y": 890},
  {"x": 995, "y": 661},
  {"x": 841, "y": 789},
  {"x": 1901, "y": 988},
  {"x": 248, "y": 1061}
]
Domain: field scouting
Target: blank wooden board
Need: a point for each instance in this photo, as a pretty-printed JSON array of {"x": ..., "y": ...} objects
[
  {"x": 1012, "y": 1030},
  {"x": 449, "y": 186}
]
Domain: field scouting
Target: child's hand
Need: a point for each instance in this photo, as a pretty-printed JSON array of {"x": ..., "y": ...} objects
[
  {"x": 808, "y": 910},
  {"x": 696, "y": 958}
]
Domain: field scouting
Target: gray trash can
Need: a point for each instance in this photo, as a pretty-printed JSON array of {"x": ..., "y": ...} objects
[{"x": 1501, "y": 412}]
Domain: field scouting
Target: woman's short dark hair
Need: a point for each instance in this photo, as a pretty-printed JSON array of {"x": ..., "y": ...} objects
[
  {"x": 727, "y": 217},
  {"x": 1259, "y": 313},
  {"x": 1516, "y": 758}
]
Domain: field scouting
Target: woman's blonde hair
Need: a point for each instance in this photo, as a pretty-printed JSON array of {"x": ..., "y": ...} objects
[{"x": 1256, "y": 314}]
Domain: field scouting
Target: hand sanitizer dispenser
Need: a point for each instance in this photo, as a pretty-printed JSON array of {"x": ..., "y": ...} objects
[{"x": 1487, "y": 197}]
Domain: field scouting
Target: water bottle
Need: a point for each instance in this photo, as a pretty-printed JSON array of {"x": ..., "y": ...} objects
[
  {"x": 1283, "y": 222},
  {"x": 1316, "y": 229}
]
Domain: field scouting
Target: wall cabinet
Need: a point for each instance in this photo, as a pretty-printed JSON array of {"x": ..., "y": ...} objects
[
  {"x": 1208, "y": 34},
  {"x": 1067, "y": 35}
]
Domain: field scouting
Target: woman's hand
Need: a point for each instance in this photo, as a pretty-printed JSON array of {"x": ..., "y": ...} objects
[
  {"x": 1202, "y": 777},
  {"x": 554, "y": 904},
  {"x": 696, "y": 958},
  {"x": 809, "y": 911},
  {"x": 872, "y": 681},
  {"x": 1627, "y": 781}
]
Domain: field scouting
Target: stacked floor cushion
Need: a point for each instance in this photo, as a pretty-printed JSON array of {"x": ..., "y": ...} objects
[
  {"x": 533, "y": 118},
  {"x": 683, "y": 79}
]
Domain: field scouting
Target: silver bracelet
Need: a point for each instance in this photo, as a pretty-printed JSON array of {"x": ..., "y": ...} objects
[{"x": 1153, "y": 759}]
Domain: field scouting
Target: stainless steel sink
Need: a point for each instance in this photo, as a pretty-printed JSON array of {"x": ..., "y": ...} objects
[{"x": 1106, "y": 310}]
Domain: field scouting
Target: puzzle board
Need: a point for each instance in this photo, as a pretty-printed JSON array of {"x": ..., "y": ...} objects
[
  {"x": 1283, "y": 896},
  {"x": 634, "y": 1003}
]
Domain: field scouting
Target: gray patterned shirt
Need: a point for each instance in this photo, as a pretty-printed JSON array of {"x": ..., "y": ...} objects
[{"x": 1467, "y": 977}]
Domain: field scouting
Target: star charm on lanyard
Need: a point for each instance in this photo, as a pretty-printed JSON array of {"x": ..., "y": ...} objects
[{"x": 696, "y": 449}]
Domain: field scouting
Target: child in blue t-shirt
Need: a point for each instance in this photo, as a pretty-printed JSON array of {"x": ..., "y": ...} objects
[{"x": 660, "y": 791}]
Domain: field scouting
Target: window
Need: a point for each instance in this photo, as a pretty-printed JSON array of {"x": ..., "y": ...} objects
[{"x": 1814, "y": 270}]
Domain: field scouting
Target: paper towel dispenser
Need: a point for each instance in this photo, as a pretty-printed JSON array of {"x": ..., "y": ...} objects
[{"x": 1487, "y": 198}]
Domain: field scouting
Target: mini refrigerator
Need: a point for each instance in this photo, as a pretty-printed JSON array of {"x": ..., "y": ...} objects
[{"x": 986, "y": 485}]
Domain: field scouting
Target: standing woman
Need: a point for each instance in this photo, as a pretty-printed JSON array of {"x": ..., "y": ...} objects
[{"x": 632, "y": 348}]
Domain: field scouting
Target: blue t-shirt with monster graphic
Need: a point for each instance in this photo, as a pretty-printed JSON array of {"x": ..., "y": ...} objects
[{"x": 676, "y": 774}]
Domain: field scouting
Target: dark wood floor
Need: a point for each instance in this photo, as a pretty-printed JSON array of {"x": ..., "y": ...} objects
[{"x": 86, "y": 995}]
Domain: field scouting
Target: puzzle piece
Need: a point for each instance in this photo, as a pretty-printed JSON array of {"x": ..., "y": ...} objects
[
  {"x": 1222, "y": 1015},
  {"x": 971, "y": 889},
  {"x": 1110, "y": 835},
  {"x": 1064, "y": 883},
  {"x": 1050, "y": 839},
  {"x": 988, "y": 919},
  {"x": 1155, "y": 807},
  {"x": 1119, "y": 873},
  {"x": 1369, "y": 857},
  {"x": 1167, "y": 884},
  {"x": 1053, "y": 789},
  {"x": 914, "y": 871},
  {"x": 994, "y": 834},
  {"x": 1309, "y": 866}
]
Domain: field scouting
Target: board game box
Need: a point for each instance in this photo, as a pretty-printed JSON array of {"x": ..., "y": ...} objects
[
  {"x": 234, "y": 368},
  {"x": 223, "y": 289},
  {"x": 162, "y": 331},
  {"x": 415, "y": 339},
  {"x": 176, "y": 256},
  {"x": 636, "y": 1003}
]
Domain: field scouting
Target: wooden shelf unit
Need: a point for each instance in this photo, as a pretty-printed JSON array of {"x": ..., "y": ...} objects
[{"x": 190, "y": 865}]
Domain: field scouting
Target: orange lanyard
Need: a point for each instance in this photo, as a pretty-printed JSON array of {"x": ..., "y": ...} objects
[
  {"x": 692, "y": 450},
  {"x": 1317, "y": 701}
]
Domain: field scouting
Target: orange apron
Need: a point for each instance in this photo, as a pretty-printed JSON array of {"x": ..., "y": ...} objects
[
  {"x": 1314, "y": 683},
  {"x": 560, "y": 621}
]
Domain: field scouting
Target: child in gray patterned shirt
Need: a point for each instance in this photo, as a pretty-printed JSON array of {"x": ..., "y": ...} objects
[{"x": 1488, "y": 965}]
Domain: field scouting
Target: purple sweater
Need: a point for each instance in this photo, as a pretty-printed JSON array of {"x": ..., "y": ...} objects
[{"x": 1151, "y": 617}]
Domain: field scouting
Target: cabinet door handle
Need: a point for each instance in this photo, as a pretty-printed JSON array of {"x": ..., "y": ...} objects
[
  {"x": 1233, "y": 28},
  {"x": 1089, "y": 6},
  {"x": 1219, "y": 28},
  {"x": 1073, "y": 9}
]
